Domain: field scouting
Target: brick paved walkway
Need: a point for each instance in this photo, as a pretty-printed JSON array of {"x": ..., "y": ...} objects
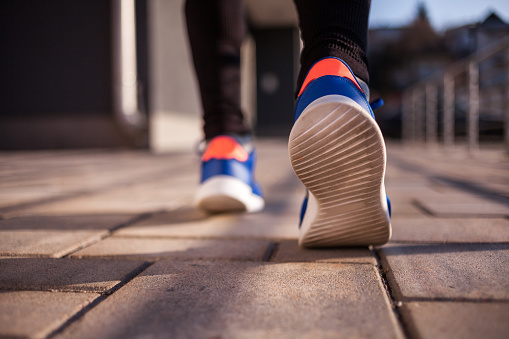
[{"x": 105, "y": 244}]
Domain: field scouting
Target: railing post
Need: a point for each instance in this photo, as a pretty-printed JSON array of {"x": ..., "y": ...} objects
[
  {"x": 412, "y": 102},
  {"x": 406, "y": 117},
  {"x": 448, "y": 110},
  {"x": 419, "y": 115},
  {"x": 411, "y": 117},
  {"x": 431, "y": 114},
  {"x": 473, "y": 107},
  {"x": 506, "y": 103}
]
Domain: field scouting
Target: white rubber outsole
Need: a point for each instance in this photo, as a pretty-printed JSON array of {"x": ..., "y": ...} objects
[
  {"x": 223, "y": 193},
  {"x": 337, "y": 150}
]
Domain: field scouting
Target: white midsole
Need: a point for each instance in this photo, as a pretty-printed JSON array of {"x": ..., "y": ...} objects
[
  {"x": 315, "y": 159},
  {"x": 221, "y": 186}
]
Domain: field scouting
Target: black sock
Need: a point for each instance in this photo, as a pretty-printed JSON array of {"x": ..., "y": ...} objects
[{"x": 334, "y": 28}]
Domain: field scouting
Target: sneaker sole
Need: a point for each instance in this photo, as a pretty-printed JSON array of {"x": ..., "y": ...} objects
[
  {"x": 224, "y": 193},
  {"x": 338, "y": 152}
]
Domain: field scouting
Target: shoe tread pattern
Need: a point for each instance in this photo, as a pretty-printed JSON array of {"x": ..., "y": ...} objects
[{"x": 337, "y": 151}]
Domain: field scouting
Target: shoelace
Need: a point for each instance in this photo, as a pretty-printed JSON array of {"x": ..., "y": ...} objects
[{"x": 377, "y": 103}]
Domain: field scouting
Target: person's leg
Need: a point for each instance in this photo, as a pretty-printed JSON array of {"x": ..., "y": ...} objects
[
  {"x": 332, "y": 28},
  {"x": 336, "y": 148},
  {"x": 216, "y": 29}
]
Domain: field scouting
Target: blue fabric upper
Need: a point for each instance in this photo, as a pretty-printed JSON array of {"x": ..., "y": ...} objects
[
  {"x": 231, "y": 167},
  {"x": 303, "y": 208},
  {"x": 328, "y": 85},
  {"x": 242, "y": 170},
  {"x": 333, "y": 85}
]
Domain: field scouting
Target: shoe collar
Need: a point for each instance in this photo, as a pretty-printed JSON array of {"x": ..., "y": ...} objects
[
  {"x": 329, "y": 66},
  {"x": 228, "y": 147}
]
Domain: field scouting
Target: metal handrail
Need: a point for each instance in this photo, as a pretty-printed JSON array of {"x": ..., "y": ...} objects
[
  {"x": 420, "y": 100},
  {"x": 459, "y": 66}
]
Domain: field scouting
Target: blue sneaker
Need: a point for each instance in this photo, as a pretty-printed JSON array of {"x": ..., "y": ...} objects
[
  {"x": 227, "y": 182},
  {"x": 338, "y": 152}
]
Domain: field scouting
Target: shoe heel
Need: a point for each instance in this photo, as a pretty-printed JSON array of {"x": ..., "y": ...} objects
[
  {"x": 337, "y": 150},
  {"x": 224, "y": 193}
]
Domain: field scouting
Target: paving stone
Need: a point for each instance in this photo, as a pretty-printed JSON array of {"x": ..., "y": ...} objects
[
  {"x": 65, "y": 274},
  {"x": 467, "y": 207},
  {"x": 80, "y": 174},
  {"x": 442, "y": 202},
  {"x": 289, "y": 251},
  {"x": 112, "y": 202},
  {"x": 190, "y": 222},
  {"x": 405, "y": 210},
  {"x": 398, "y": 191},
  {"x": 157, "y": 248},
  {"x": 54, "y": 236},
  {"x": 415, "y": 182},
  {"x": 36, "y": 314},
  {"x": 430, "y": 193},
  {"x": 443, "y": 230},
  {"x": 40, "y": 243},
  {"x": 474, "y": 271},
  {"x": 283, "y": 200},
  {"x": 244, "y": 300},
  {"x": 481, "y": 183},
  {"x": 82, "y": 170},
  {"x": 462, "y": 320},
  {"x": 9, "y": 197},
  {"x": 69, "y": 222},
  {"x": 268, "y": 177},
  {"x": 223, "y": 298},
  {"x": 140, "y": 196}
]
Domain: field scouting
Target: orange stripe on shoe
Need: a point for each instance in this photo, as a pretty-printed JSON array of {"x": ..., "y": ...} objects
[
  {"x": 225, "y": 147},
  {"x": 329, "y": 66}
]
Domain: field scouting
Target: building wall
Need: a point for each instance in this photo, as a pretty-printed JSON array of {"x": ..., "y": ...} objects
[
  {"x": 55, "y": 75},
  {"x": 174, "y": 100}
]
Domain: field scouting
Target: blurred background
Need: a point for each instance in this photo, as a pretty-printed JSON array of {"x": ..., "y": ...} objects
[{"x": 118, "y": 73}]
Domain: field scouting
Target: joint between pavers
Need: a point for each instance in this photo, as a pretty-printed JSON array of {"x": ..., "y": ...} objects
[
  {"x": 52, "y": 290},
  {"x": 201, "y": 237},
  {"x": 130, "y": 276},
  {"x": 458, "y": 299},
  {"x": 416, "y": 203},
  {"x": 103, "y": 296},
  {"x": 76, "y": 316},
  {"x": 108, "y": 233},
  {"x": 153, "y": 260},
  {"x": 427, "y": 242},
  {"x": 391, "y": 295},
  {"x": 135, "y": 219},
  {"x": 271, "y": 251}
]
